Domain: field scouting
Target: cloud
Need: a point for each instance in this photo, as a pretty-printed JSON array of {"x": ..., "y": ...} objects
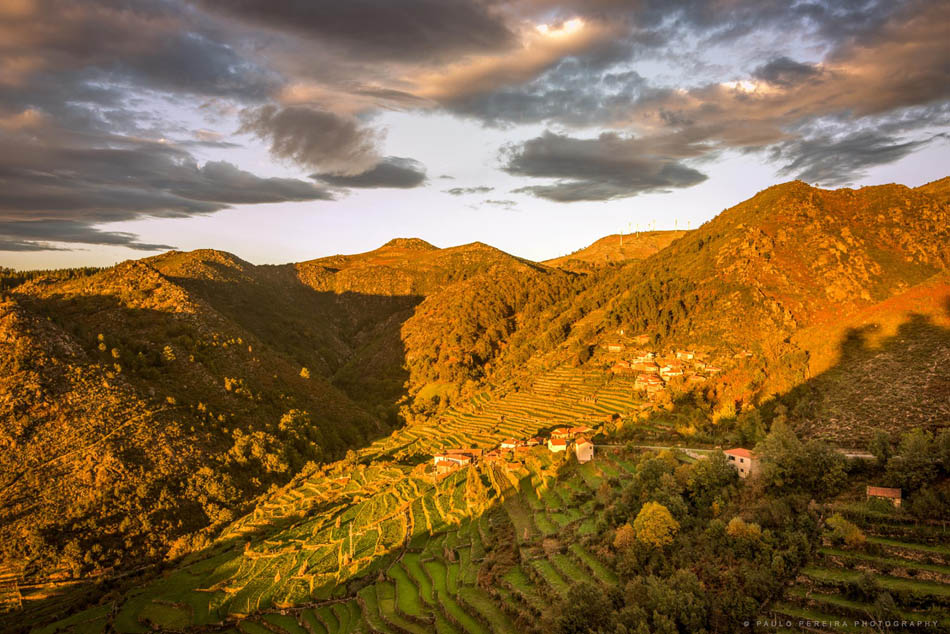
[
  {"x": 392, "y": 172},
  {"x": 839, "y": 161},
  {"x": 152, "y": 45},
  {"x": 784, "y": 71},
  {"x": 567, "y": 93},
  {"x": 603, "y": 168},
  {"x": 881, "y": 58},
  {"x": 316, "y": 139},
  {"x": 507, "y": 205},
  {"x": 379, "y": 29},
  {"x": 60, "y": 193},
  {"x": 460, "y": 191},
  {"x": 541, "y": 47},
  {"x": 35, "y": 235},
  {"x": 86, "y": 88},
  {"x": 27, "y": 246}
]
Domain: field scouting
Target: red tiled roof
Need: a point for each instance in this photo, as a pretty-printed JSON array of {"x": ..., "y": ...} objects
[
  {"x": 583, "y": 441},
  {"x": 884, "y": 492},
  {"x": 740, "y": 452},
  {"x": 558, "y": 442},
  {"x": 466, "y": 452}
]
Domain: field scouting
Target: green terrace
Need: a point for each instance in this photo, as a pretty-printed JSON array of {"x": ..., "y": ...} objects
[
  {"x": 901, "y": 572},
  {"x": 384, "y": 548}
]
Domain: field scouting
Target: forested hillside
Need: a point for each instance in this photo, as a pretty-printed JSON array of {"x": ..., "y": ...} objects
[{"x": 242, "y": 416}]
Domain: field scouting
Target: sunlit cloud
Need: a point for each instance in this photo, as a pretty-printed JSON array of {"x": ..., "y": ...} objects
[{"x": 540, "y": 47}]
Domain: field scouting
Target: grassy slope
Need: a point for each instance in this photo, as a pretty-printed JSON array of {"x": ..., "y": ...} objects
[{"x": 615, "y": 249}]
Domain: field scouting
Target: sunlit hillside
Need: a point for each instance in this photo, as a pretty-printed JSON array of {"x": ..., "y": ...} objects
[{"x": 616, "y": 249}]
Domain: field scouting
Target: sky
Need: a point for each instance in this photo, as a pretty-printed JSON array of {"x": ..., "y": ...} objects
[{"x": 283, "y": 131}]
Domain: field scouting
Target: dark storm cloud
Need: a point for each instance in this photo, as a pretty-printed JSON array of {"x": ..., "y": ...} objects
[
  {"x": 380, "y": 29},
  {"x": 313, "y": 138},
  {"x": 59, "y": 193},
  {"x": 608, "y": 167},
  {"x": 392, "y": 172},
  {"x": 461, "y": 191}
]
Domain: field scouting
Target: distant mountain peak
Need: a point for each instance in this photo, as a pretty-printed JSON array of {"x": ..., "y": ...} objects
[{"x": 416, "y": 244}]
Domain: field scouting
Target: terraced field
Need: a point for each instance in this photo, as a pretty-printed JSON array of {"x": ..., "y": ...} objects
[
  {"x": 382, "y": 544},
  {"x": 902, "y": 574}
]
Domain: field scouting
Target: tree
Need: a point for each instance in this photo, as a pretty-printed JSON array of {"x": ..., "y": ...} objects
[
  {"x": 942, "y": 450},
  {"x": 625, "y": 537},
  {"x": 654, "y": 525},
  {"x": 751, "y": 429},
  {"x": 586, "y": 609},
  {"x": 790, "y": 466},
  {"x": 880, "y": 447},
  {"x": 915, "y": 464},
  {"x": 740, "y": 529}
]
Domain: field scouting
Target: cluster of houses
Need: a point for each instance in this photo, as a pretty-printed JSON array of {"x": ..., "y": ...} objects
[
  {"x": 653, "y": 372},
  {"x": 508, "y": 451}
]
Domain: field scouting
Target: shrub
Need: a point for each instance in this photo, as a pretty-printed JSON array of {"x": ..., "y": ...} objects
[
  {"x": 740, "y": 529},
  {"x": 845, "y": 532}
]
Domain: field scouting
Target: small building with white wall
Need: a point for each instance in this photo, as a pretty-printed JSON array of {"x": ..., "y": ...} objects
[
  {"x": 743, "y": 461},
  {"x": 584, "y": 450}
]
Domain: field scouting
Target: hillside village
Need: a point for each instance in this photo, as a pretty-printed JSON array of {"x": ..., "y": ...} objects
[
  {"x": 508, "y": 451},
  {"x": 631, "y": 356}
]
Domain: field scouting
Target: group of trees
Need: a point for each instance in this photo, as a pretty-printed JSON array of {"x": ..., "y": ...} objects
[
  {"x": 920, "y": 466},
  {"x": 11, "y": 278},
  {"x": 694, "y": 549}
]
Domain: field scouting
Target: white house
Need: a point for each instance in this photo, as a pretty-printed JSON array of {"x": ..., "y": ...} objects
[{"x": 584, "y": 450}]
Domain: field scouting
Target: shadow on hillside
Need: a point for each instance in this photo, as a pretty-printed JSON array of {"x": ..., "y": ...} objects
[
  {"x": 896, "y": 384},
  {"x": 489, "y": 524},
  {"x": 893, "y": 383},
  {"x": 353, "y": 339},
  {"x": 232, "y": 384}
]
